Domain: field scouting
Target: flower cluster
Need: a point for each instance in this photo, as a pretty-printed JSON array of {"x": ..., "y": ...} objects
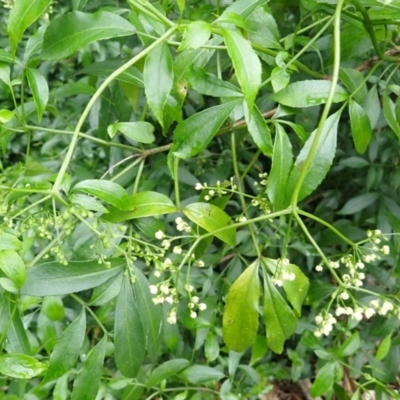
[
  {"x": 194, "y": 302},
  {"x": 281, "y": 274},
  {"x": 325, "y": 324},
  {"x": 212, "y": 191},
  {"x": 181, "y": 225},
  {"x": 164, "y": 293}
]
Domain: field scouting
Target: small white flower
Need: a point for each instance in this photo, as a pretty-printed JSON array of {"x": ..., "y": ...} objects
[
  {"x": 357, "y": 282},
  {"x": 318, "y": 319},
  {"x": 385, "y": 249},
  {"x": 200, "y": 264},
  {"x": 277, "y": 282},
  {"x": 169, "y": 299},
  {"x": 357, "y": 316},
  {"x": 159, "y": 235},
  {"x": 177, "y": 250},
  {"x": 344, "y": 296},
  {"x": 195, "y": 299},
  {"x": 166, "y": 244},
  {"x": 202, "y": 306},
  {"x": 153, "y": 289},
  {"x": 189, "y": 288},
  {"x": 369, "y": 312},
  {"x": 346, "y": 277},
  {"x": 317, "y": 334},
  {"x": 157, "y": 274},
  {"x": 339, "y": 311},
  {"x": 167, "y": 262},
  {"x": 164, "y": 289},
  {"x": 207, "y": 198},
  {"x": 334, "y": 264},
  {"x": 198, "y": 186},
  {"x": 377, "y": 241},
  {"x": 360, "y": 265},
  {"x": 319, "y": 268},
  {"x": 242, "y": 218},
  {"x": 361, "y": 275},
  {"x": 374, "y": 304},
  {"x": 348, "y": 310},
  {"x": 377, "y": 231},
  {"x": 211, "y": 192},
  {"x": 193, "y": 314}
]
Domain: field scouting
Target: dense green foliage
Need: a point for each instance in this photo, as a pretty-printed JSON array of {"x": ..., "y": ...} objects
[{"x": 199, "y": 198}]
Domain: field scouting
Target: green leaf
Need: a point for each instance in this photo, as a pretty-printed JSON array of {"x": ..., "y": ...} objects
[
  {"x": 140, "y": 131},
  {"x": 372, "y": 105},
  {"x": 194, "y": 134},
  {"x": 181, "y": 5},
  {"x": 106, "y": 68},
  {"x": 354, "y": 79},
  {"x": 210, "y": 85},
  {"x": 262, "y": 29},
  {"x": 308, "y": 93},
  {"x": 53, "y": 278},
  {"x": 158, "y": 78},
  {"x": 5, "y": 73},
  {"x": 73, "y": 31},
  {"x": 87, "y": 383},
  {"x": 143, "y": 204},
  {"x": 166, "y": 370},
  {"x": 108, "y": 191},
  {"x": 360, "y": 127},
  {"x": 198, "y": 374},
  {"x": 53, "y": 308},
  {"x": 279, "y": 79},
  {"x": 72, "y": 89},
  {"x": 39, "y": 88},
  {"x": 244, "y": 8},
  {"x": 77, "y": 5},
  {"x": 259, "y": 130},
  {"x": 20, "y": 366},
  {"x": 129, "y": 339},
  {"x": 196, "y": 34},
  {"x": 23, "y": 14},
  {"x": 324, "y": 380},
  {"x": 358, "y": 203},
  {"x": 9, "y": 242},
  {"x": 280, "y": 322},
  {"x": 67, "y": 349},
  {"x": 13, "y": 266},
  {"x": 350, "y": 345},
  {"x": 384, "y": 348},
  {"x": 246, "y": 63},
  {"x": 87, "y": 202},
  {"x": 296, "y": 291},
  {"x": 150, "y": 314},
  {"x": 390, "y": 114},
  {"x": 323, "y": 158},
  {"x": 211, "y": 347},
  {"x": 240, "y": 318},
  {"x": 107, "y": 291},
  {"x": 282, "y": 163},
  {"x": 5, "y": 116},
  {"x": 212, "y": 218}
]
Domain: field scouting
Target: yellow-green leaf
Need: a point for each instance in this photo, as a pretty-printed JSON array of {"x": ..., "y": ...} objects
[{"x": 240, "y": 319}]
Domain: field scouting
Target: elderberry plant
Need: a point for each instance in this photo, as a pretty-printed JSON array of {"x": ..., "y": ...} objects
[{"x": 199, "y": 199}]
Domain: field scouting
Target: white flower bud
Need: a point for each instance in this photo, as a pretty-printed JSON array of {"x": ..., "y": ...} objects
[
  {"x": 159, "y": 235},
  {"x": 153, "y": 289}
]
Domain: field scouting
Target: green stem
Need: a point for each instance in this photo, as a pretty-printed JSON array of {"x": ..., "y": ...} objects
[
  {"x": 42, "y": 200},
  {"x": 125, "y": 170},
  {"x": 9, "y": 321},
  {"x": 147, "y": 8},
  {"x": 93, "y": 100},
  {"x": 370, "y": 28},
  {"x": 328, "y": 225},
  {"x": 85, "y": 136},
  {"x": 314, "y": 243},
  {"x": 240, "y": 189},
  {"x": 176, "y": 182},
  {"x": 335, "y": 77},
  {"x": 138, "y": 176},
  {"x": 93, "y": 314}
]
